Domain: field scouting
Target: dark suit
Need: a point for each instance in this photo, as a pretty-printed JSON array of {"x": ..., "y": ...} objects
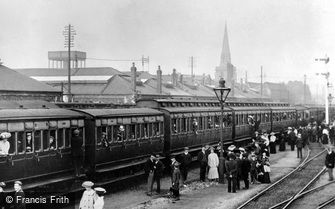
[
  {"x": 231, "y": 169},
  {"x": 185, "y": 160},
  {"x": 175, "y": 182},
  {"x": 149, "y": 171},
  {"x": 158, "y": 173},
  {"x": 202, "y": 158},
  {"x": 245, "y": 169},
  {"x": 2, "y": 200},
  {"x": 76, "y": 145},
  {"x": 18, "y": 200}
]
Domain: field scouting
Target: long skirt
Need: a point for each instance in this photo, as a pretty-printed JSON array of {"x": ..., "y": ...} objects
[
  {"x": 213, "y": 173},
  {"x": 272, "y": 147},
  {"x": 282, "y": 146}
]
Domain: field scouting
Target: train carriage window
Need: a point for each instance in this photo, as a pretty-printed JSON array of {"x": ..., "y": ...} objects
[
  {"x": 37, "y": 141},
  {"x": 115, "y": 133},
  {"x": 29, "y": 142},
  {"x": 68, "y": 134},
  {"x": 60, "y": 138},
  {"x": 236, "y": 120},
  {"x": 12, "y": 143},
  {"x": 229, "y": 120},
  {"x": 138, "y": 131},
  {"x": 200, "y": 124},
  {"x": 52, "y": 140},
  {"x": 183, "y": 125},
  {"x": 146, "y": 130},
  {"x": 102, "y": 133},
  {"x": 20, "y": 142},
  {"x": 110, "y": 134},
  {"x": 174, "y": 126},
  {"x": 209, "y": 122},
  {"x": 263, "y": 118},
  {"x": 216, "y": 122},
  {"x": 131, "y": 131},
  {"x": 45, "y": 140},
  {"x": 121, "y": 133},
  {"x": 156, "y": 129},
  {"x": 150, "y": 130}
]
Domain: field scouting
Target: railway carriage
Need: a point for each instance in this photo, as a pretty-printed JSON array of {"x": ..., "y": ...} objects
[
  {"x": 40, "y": 145},
  {"x": 282, "y": 117},
  {"x": 118, "y": 141},
  {"x": 193, "y": 127}
]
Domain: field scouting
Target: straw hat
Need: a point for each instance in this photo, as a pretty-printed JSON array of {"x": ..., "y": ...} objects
[{"x": 87, "y": 184}]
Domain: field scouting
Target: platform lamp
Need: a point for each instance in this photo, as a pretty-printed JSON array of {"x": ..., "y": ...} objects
[{"x": 221, "y": 93}]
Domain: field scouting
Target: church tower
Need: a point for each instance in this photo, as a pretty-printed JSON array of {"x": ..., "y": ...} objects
[{"x": 226, "y": 70}]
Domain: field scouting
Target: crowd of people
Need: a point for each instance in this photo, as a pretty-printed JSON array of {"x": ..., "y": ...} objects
[{"x": 249, "y": 164}]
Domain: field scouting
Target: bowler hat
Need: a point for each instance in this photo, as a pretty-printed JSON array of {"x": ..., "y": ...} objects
[
  {"x": 87, "y": 184},
  {"x": 186, "y": 148}
]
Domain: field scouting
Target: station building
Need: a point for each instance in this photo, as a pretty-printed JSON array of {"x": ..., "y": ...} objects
[{"x": 20, "y": 91}]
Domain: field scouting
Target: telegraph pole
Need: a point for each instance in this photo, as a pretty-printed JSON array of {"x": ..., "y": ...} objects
[
  {"x": 305, "y": 89},
  {"x": 192, "y": 67},
  {"x": 69, "y": 33},
  {"x": 326, "y": 75},
  {"x": 261, "y": 82}
]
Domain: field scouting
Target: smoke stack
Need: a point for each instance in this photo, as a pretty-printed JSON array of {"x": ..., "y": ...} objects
[
  {"x": 159, "y": 80},
  {"x": 133, "y": 78},
  {"x": 174, "y": 77}
]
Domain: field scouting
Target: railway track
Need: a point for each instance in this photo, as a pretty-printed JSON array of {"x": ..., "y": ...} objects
[{"x": 284, "y": 192}]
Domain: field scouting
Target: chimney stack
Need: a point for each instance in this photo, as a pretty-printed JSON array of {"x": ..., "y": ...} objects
[
  {"x": 174, "y": 77},
  {"x": 159, "y": 80},
  {"x": 133, "y": 78},
  {"x": 181, "y": 78}
]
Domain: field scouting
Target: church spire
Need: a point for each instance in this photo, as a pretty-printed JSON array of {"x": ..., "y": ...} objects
[{"x": 225, "y": 53}]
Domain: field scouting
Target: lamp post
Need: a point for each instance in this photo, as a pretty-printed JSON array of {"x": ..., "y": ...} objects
[
  {"x": 221, "y": 93},
  {"x": 326, "y": 75}
]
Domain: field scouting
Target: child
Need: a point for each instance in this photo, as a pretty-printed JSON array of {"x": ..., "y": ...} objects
[
  {"x": 89, "y": 196},
  {"x": 99, "y": 202},
  {"x": 175, "y": 181}
]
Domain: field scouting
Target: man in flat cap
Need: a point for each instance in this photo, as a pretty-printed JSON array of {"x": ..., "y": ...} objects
[
  {"x": 89, "y": 196},
  {"x": 18, "y": 199},
  {"x": 185, "y": 161},
  {"x": 76, "y": 145},
  {"x": 2, "y": 196}
]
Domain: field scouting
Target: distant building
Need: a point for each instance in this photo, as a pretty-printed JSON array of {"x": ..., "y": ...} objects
[{"x": 226, "y": 69}]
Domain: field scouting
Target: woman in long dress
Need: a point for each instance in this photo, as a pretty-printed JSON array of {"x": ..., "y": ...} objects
[
  {"x": 213, "y": 163},
  {"x": 273, "y": 143}
]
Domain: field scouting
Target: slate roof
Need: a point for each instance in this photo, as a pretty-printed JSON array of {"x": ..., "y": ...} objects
[
  {"x": 89, "y": 71},
  {"x": 10, "y": 80}
]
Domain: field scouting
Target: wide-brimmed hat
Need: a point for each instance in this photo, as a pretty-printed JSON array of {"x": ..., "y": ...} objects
[
  {"x": 289, "y": 128},
  {"x": 231, "y": 147},
  {"x": 176, "y": 164},
  {"x": 241, "y": 149},
  {"x": 186, "y": 148},
  {"x": 18, "y": 182},
  {"x": 5, "y": 135},
  {"x": 100, "y": 190},
  {"x": 272, "y": 133},
  {"x": 87, "y": 184}
]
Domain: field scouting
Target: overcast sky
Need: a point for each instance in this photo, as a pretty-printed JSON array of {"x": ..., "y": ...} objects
[{"x": 284, "y": 36}]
